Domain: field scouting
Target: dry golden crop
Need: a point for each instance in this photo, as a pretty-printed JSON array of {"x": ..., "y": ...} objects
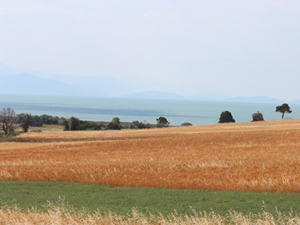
[
  {"x": 62, "y": 215},
  {"x": 258, "y": 156}
]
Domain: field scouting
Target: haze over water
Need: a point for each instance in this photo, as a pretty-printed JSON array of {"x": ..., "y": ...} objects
[{"x": 129, "y": 109}]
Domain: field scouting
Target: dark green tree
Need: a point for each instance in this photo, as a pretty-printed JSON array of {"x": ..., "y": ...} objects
[
  {"x": 162, "y": 122},
  {"x": 258, "y": 116},
  {"x": 46, "y": 119},
  {"x": 226, "y": 117},
  {"x": 62, "y": 121},
  {"x": 89, "y": 125},
  {"x": 18, "y": 118},
  {"x": 116, "y": 120},
  {"x": 284, "y": 108},
  {"x": 37, "y": 121},
  {"x": 26, "y": 121},
  {"x": 55, "y": 120},
  {"x": 74, "y": 123},
  {"x": 114, "y": 124}
]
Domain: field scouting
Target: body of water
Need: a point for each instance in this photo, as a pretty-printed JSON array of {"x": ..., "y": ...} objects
[{"x": 128, "y": 109}]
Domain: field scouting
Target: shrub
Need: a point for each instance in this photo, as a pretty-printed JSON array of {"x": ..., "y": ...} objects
[
  {"x": 139, "y": 125},
  {"x": 36, "y": 130},
  {"x": 257, "y": 116},
  {"x": 186, "y": 124}
]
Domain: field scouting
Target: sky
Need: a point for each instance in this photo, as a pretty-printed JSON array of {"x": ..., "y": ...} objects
[{"x": 234, "y": 47}]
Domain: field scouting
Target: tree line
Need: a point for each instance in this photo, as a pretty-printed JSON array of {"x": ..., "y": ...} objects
[
  {"x": 115, "y": 124},
  {"x": 38, "y": 121},
  {"x": 8, "y": 119}
]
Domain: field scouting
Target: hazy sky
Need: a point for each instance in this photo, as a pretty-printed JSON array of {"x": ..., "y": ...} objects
[{"x": 238, "y": 48}]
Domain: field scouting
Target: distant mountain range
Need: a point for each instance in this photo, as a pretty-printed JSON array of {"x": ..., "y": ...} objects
[
  {"x": 28, "y": 84},
  {"x": 74, "y": 85},
  {"x": 24, "y": 81}
]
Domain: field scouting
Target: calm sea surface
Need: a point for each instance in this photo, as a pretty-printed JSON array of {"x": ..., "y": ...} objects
[{"x": 128, "y": 109}]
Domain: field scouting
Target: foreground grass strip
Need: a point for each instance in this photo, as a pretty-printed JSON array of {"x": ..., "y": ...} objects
[
  {"x": 60, "y": 214},
  {"x": 122, "y": 200}
]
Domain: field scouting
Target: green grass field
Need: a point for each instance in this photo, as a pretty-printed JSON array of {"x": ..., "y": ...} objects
[{"x": 121, "y": 200}]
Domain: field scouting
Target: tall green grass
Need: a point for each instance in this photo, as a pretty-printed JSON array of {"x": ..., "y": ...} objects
[{"x": 121, "y": 200}]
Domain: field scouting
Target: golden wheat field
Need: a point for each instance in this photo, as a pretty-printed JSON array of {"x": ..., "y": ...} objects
[{"x": 258, "y": 156}]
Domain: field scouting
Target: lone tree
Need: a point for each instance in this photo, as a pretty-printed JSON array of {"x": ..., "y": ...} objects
[
  {"x": 284, "y": 108},
  {"x": 26, "y": 121},
  {"x": 258, "y": 116},
  {"x": 74, "y": 123},
  {"x": 7, "y": 118},
  {"x": 226, "y": 117},
  {"x": 162, "y": 122}
]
